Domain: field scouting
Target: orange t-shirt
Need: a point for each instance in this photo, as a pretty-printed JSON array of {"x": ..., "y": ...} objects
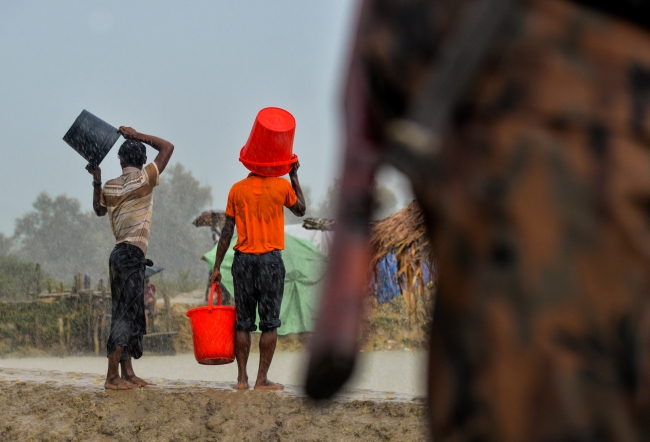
[{"x": 257, "y": 204}]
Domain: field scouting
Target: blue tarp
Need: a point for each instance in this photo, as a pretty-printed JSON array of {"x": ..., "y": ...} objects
[{"x": 384, "y": 282}]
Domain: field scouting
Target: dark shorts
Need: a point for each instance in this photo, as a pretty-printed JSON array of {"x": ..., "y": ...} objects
[
  {"x": 259, "y": 282},
  {"x": 126, "y": 266}
]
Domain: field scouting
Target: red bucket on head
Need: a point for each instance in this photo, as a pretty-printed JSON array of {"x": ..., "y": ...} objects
[
  {"x": 269, "y": 149},
  {"x": 213, "y": 331}
]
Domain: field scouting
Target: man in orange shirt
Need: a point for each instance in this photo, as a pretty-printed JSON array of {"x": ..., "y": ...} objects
[{"x": 256, "y": 206}]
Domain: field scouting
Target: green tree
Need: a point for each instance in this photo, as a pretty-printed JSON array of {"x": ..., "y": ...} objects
[
  {"x": 63, "y": 239},
  {"x": 17, "y": 278},
  {"x": 175, "y": 243},
  {"x": 6, "y": 245}
]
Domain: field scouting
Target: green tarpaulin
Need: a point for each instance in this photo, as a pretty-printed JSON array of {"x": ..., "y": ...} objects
[{"x": 305, "y": 266}]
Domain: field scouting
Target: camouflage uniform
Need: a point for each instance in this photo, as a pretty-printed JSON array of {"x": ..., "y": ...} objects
[{"x": 539, "y": 208}]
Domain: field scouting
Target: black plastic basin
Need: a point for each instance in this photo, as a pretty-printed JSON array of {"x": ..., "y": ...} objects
[{"x": 91, "y": 137}]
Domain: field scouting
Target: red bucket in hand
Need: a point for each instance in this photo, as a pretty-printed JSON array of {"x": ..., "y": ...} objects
[
  {"x": 213, "y": 331},
  {"x": 269, "y": 149}
]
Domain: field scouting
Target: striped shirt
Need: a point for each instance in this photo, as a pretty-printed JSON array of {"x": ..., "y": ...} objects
[{"x": 129, "y": 200}]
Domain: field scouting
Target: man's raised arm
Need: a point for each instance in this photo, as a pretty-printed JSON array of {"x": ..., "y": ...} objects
[
  {"x": 164, "y": 147},
  {"x": 97, "y": 191},
  {"x": 300, "y": 207}
]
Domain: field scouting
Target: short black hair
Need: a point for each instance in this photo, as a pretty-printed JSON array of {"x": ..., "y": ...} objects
[{"x": 133, "y": 153}]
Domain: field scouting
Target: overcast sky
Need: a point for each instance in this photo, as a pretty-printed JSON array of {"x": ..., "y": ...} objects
[{"x": 195, "y": 73}]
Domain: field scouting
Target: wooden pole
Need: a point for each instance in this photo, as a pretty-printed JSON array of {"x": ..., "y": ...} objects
[
  {"x": 68, "y": 332},
  {"x": 37, "y": 332},
  {"x": 97, "y": 313},
  {"x": 38, "y": 279},
  {"x": 61, "y": 337},
  {"x": 96, "y": 333},
  {"x": 168, "y": 307},
  {"x": 104, "y": 334},
  {"x": 90, "y": 315}
]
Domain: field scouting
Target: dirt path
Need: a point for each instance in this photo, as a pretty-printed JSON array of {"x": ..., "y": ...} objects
[
  {"x": 390, "y": 371},
  {"x": 54, "y": 406}
]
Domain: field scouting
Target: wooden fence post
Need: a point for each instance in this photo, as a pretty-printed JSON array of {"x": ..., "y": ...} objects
[
  {"x": 38, "y": 279},
  {"x": 168, "y": 307},
  {"x": 61, "y": 337},
  {"x": 96, "y": 333}
]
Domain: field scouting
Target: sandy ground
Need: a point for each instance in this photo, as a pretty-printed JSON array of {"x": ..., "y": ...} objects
[
  {"x": 390, "y": 371},
  {"x": 54, "y": 406}
]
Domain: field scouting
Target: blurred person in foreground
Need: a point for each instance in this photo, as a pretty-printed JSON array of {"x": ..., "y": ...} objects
[
  {"x": 128, "y": 201},
  {"x": 255, "y": 206},
  {"x": 524, "y": 127}
]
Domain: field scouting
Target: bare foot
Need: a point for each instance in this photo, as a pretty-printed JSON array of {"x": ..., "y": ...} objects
[
  {"x": 133, "y": 379},
  {"x": 118, "y": 384},
  {"x": 268, "y": 385},
  {"x": 241, "y": 385}
]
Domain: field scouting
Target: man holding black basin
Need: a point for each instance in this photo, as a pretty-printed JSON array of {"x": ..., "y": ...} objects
[{"x": 128, "y": 201}]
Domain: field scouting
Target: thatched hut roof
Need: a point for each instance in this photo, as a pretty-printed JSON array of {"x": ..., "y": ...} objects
[{"x": 404, "y": 234}]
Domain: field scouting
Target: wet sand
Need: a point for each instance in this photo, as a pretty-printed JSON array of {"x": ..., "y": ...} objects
[
  {"x": 52, "y": 406},
  {"x": 390, "y": 371}
]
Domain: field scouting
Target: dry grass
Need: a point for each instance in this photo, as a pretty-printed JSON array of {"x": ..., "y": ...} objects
[
  {"x": 388, "y": 326},
  {"x": 404, "y": 234}
]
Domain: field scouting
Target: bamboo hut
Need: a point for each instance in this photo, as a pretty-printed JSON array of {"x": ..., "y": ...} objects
[{"x": 404, "y": 235}]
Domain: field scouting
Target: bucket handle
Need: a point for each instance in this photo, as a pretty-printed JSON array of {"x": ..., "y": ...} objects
[{"x": 218, "y": 287}]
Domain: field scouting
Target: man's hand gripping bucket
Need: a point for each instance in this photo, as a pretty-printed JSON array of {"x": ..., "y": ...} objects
[{"x": 213, "y": 331}]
